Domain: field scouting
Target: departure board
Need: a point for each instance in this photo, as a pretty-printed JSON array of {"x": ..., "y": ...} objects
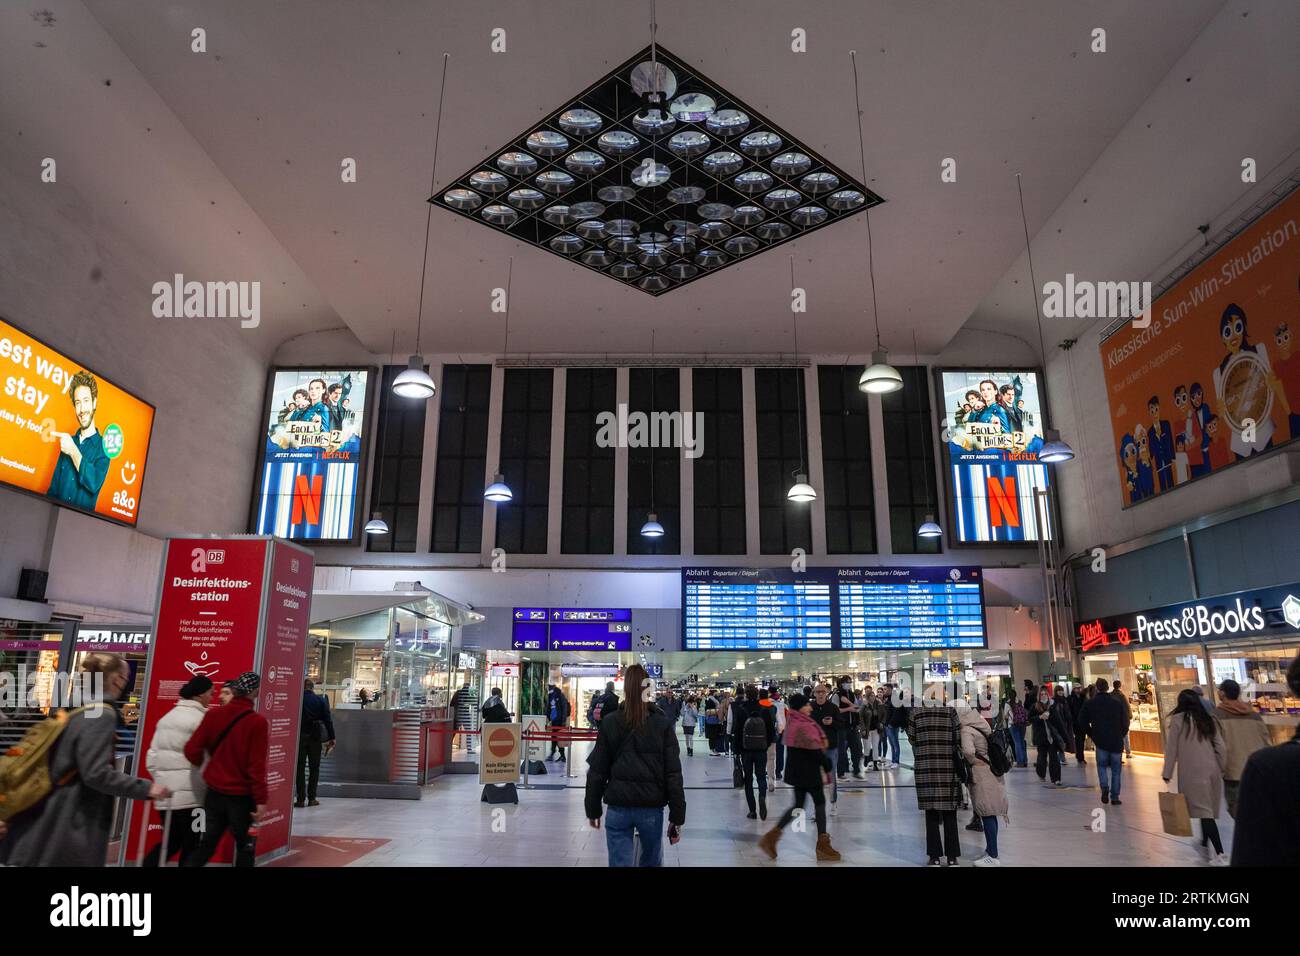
[{"x": 778, "y": 609}]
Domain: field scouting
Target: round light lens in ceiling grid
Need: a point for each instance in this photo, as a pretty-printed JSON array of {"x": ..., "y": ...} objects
[
  {"x": 654, "y": 123},
  {"x": 713, "y": 231},
  {"x": 462, "y": 198},
  {"x": 616, "y": 193},
  {"x": 591, "y": 229},
  {"x": 683, "y": 270},
  {"x": 581, "y": 121},
  {"x": 722, "y": 163},
  {"x": 516, "y": 163},
  {"x": 774, "y": 231},
  {"x": 748, "y": 215},
  {"x": 753, "y": 181},
  {"x": 809, "y": 216},
  {"x": 625, "y": 270},
  {"x": 597, "y": 257},
  {"x": 567, "y": 244},
  {"x": 845, "y": 199},
  {"x": 489, "y": 181},
  {"x": 689, "y": 143},
  {"x": 587, "y": 210},
  {"x": 558, "y": 215},
  {"x": 617, "y": 142},
  {"x": 554, "y": 181},
  {"x": 710, "y": 259},
  {"x": 741, "y": 245},
  {"x": 584, "y": 162},
  {"x": 791, "y": 164},
  {"x": 782, "y": 199},
  {"x": 682, "y": 245},
  {"x": 653, "y": 255},
  {"x": 499, "y": 214},
  {"x": 686, "y": 194},
  {"x": 761, "y": 143},
  {"x": 652, "y": 238},
  {"x": 728, "y": 122},
  {"x": 650, "y": 173},
  {"x": 655, "y": 283},
  {"x": 715, "y": 210},
  {"x": 526, "y": 199},
  {"x": 681, "y": 227},
  {"x": 820, "y": 182},
  {"x": 693, "y": 107},
  {"x": 622, "y": 227},
  {"x": 546, "y": 142},
  {"x": 647, "y": 77},
  {"x": 622, "y": 244}
]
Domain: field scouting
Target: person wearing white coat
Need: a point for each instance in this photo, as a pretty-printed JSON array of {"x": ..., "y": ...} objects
[{"x": 167, "y": 764}]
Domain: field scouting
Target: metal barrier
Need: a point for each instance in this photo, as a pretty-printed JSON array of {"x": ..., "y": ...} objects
[{"x": 565, "y": 736}]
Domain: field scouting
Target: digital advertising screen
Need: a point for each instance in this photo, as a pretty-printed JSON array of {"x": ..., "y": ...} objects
[
  {"x": 67, "y": 433},
  {"x": 312, "y": 475},
  {"x": 1215, "y": 378},
  {"x": 886, "y": 608},
  {"x": 992, "y": 431}
]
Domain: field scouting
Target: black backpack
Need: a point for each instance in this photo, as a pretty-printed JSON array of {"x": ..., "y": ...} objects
[
  {"x": 1000, "y": 746},
  {"x": 753, "y": 734}
]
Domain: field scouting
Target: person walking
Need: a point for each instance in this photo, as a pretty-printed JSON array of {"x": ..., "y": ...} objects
[
  {"x": 871, "y": 719},
  {"x": 1103, "y": 719},
  {"x": 167, "y": 764},
  {"x": 315, "y": 735},
  {"x": 557, "y": 716},
  {"x": 934, "y": 732},
  {"x": 756, "y": 732},
  {"x": 827, "y": 714},
  {"x": 1122, "y": 697},
  {"x": 72, "y": 825},
  {"x": 895, "y": 722},
  {"x": 494, "y": 708},
  {"x": 712, "y": 724},
  {"x": 1075, "y": 703},
  {"x": 1048, "y": 731},
  {"x": 807, "y": 769},
  {"x": 1017, "y": 718},
  {"x": 690, "y": 717},
  {"x": 1244, "y": 732},
  {"x": 725, "y": 703},
  {"x": 233, "y": 741},
  {"x": 988, "y": 791},
  {"x": 849, "y": 741},
  {"x": 776, "y": 753},
  {"x": 1268, "y": 803},
  {"x": 635, "y": 769},
  {"x": 1194, "y": 748},
  {"x": 603, "y": 703}
]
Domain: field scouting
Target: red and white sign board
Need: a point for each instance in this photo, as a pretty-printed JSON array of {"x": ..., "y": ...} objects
[{"x": 226, "y": 606}]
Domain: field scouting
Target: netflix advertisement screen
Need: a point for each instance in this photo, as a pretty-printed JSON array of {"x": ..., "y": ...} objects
[
  {"x": 311, "y": 475},
  {"x": 993, "y": 423}
]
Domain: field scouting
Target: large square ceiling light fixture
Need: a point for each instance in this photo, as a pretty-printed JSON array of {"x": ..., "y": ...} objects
[{"x": 655, "y": 177}]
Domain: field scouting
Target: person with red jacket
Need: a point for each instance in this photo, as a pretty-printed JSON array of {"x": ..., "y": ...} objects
[{"x": 234, "y": 738}]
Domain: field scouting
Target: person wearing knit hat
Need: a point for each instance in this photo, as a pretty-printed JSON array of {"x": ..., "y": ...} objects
[
  {"x": 233, "y": 741},
  {"x": 165, "y": 760}
]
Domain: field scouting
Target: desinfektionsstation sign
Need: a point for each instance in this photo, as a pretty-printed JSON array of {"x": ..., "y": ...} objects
[{"x": 832, "y": 608}]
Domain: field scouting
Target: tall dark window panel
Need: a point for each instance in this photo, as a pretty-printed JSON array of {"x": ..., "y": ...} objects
[
  {"x": 654, "y": 474},
  {"x": 909, "y": 462},
  {"x": 783, "y": 525},
  {"x": 587, "y": 526},
  {"x": 399, "y": 450},
  {"x": 846, "y": 461},
  {"x": 462, "y": 458},
  {"x": 525, "y": 460},
  {"x": 719, "y": 471}
]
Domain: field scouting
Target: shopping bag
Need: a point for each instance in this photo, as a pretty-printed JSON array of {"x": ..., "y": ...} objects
[
  {"x": 737, "y": 774},
  {"x": 1174, "y": 814}
]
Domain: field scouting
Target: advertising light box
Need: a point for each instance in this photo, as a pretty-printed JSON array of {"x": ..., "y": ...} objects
[
  {"x": 68, "y": 434},
  {"x": 312, "y": 471},
  {"x": 993, "y": 429},
  {"x": 777, "y": 609}
]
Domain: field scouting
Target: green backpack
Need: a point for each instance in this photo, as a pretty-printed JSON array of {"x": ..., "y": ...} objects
[{"x": 25, "y": 768}]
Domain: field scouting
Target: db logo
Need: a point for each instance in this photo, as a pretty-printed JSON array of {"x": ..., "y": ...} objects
[
  {"x": 216, "y": 556},
  {"x": 501, "y": 742},
  {"x": 200, "y": 558},
  {"x": 293, "y": 565}
]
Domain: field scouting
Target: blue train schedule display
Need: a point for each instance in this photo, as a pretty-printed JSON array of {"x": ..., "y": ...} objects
[{"x": 832, "y": 608}]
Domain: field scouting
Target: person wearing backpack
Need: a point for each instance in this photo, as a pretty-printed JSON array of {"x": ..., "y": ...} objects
[
  {"x": 757, "y": 732},
  {"x": 315, "y": 735},
  {"x": 1104, "y": 719},
  {"x": 234, "y": 741},
  {"x": 808, "y": 768},
  {"x": 1017, "y": 718},
  {"x": 712, "y": 725},
  {"x": 167, "y": 764},
  {"x": 988, "y": 766},
  {"x": 602, "y": 705},
  {"x": 557, "y": 715},
  {"x": 66, "y": 793}
]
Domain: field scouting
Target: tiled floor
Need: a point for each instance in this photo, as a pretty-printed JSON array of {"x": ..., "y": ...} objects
[{"x": 877, "y": 823}]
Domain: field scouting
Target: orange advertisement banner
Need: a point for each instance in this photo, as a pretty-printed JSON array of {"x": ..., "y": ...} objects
[
  {"x": 1215, "y": 379},
  {"x": 68, "y": 434}
]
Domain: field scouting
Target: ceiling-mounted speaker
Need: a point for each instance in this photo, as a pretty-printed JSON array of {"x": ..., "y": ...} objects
[{"x": 31, "y": 584}]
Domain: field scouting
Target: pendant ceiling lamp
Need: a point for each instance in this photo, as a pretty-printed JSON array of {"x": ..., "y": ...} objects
[
  {"x": 652, "y": 528},
  {"x": 498, "y": 490},
  {"x": 878, "y": 378},
  {"x": 377, "y": 524},
  {"x": 415, "y": 382},
  {"x": 801, "y": 491},
  {"x": 929, "y": 527},
  {"x": 1054, "y": 450}
]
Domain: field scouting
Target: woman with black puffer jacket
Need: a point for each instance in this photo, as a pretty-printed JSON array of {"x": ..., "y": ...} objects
[{"x": 635, "y": 770}]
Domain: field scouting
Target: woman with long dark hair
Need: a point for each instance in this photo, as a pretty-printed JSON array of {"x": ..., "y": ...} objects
[
  {"x": 636, "y": 771},
  {"x": 1194, "y": 746}
]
